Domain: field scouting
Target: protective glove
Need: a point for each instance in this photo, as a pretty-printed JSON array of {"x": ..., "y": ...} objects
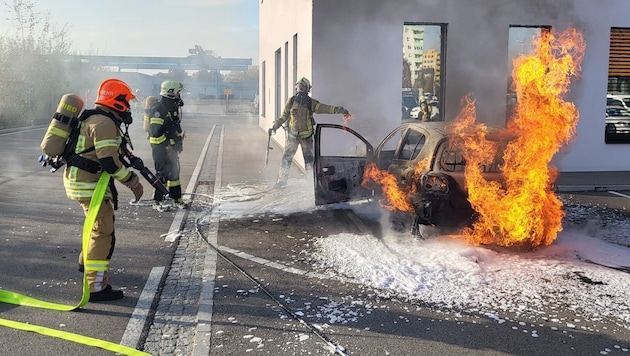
[
  {"x": 341, "y": 110},
  {"x": 271, "y": 131},
  {"x": 134, "y": 184}
]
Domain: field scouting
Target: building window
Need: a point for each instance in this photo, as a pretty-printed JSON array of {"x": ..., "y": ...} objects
[
  {"x": 423, "y": 69},
  {"x": 520, "y": 42},
  {"x": 263, "y": 85},
  {"x": 617, "y": 121}
]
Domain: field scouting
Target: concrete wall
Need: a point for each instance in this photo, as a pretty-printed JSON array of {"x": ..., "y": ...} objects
[{"x": 355, "y": 60}]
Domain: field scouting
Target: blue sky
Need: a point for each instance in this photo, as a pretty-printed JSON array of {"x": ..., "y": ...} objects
[{"x": 155, "y": 27}]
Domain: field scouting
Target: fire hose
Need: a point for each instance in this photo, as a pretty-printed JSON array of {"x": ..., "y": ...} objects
[{"x": 20, "y": 299}]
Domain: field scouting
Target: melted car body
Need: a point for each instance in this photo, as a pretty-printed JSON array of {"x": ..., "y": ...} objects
[{"x": 428, "y": 168}]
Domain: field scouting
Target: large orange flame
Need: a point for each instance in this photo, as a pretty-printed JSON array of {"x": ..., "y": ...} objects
[
  {"x": 395, "y": 197},
  {"x": 524, "y": 211}
]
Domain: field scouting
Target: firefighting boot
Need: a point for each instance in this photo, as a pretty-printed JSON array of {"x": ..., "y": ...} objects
[
  {"x": 106, "y": 294},
  {"x": 157, "y": 205},
  {"x": 180, "y": 203}
]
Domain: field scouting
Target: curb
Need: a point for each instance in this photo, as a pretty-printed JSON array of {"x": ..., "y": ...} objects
[{"x": 590, "y": 188}]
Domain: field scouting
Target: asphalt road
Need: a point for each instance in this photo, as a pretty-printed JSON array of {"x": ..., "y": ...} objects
[
  {"x": 260, "y": 290},
  {"x": 41, "y": 239}
]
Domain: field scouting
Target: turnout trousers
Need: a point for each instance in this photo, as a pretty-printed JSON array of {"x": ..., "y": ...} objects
[
  {"x": 100, "y": 247},
  {"x": 292, "y": 145},
  {"x": 167, "y": 169}
]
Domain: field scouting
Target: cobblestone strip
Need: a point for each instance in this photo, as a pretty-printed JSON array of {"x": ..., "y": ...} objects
[{"x": 174, "y": 324}]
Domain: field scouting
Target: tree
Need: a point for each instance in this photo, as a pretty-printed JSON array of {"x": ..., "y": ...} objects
[{"x": 32, "y": 74}]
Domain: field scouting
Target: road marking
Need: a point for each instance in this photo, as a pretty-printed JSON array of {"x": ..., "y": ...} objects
[
  {"x": 175, "y": 230},
  {"x": 201, "y": 343},
  {"x": 132, "y": 334},
  {"x": 618, "y": 194},
  {"x": 268, "y": 263}
]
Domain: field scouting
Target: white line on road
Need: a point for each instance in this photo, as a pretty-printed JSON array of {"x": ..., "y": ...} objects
[
  {"x": 201, "y": 344},
  {"x": 271, "y": 264},
  {"x": 131, "y": 337},
  {"x": 176, "y": 226},
  {"x": 618, "y": 194}
]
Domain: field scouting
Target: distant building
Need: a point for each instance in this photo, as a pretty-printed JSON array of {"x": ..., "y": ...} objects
[{"x": 413, "y": 42}]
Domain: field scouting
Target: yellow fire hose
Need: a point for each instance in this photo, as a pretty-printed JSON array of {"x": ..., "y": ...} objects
[{"x": 19, "y": 299}]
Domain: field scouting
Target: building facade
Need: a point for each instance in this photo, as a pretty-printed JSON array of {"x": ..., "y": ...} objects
[{"x": 351, "y": 52}]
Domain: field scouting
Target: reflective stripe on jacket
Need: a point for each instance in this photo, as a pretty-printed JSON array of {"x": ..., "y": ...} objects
[
  {"x": 300, "y": 117},
  {"x": 102, "y": 133},
  {"x": 164, "y": 123}
]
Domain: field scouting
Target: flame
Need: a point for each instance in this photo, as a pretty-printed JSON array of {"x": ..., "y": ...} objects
[
  {"x": 346, "y": 119},
  {"x": 523, "y": 211},
  {"x": 397, "y": 198}
]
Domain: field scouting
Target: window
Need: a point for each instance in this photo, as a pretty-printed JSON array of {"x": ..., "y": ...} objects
[
  {"x": 519, "y": 43},
  {"x": 263, "y": 85},
  {"x": 423, "y": 65},
  {"x": 618, "y": 95},
  {"x": 411, "y": 145},
  {"x": 341, "y": 143}
]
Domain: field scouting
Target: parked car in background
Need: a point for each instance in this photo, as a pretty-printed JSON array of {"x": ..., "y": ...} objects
[
  {"x": 617, "y": 124},
  {"x": 414, "y": 113},
  {"x": 420, "y": 158},
  {"x": 622, "y": 100},
  {"x": 408, "y": 103}
]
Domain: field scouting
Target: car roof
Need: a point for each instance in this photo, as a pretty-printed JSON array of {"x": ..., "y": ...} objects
[{"x": 440, "y": 127}]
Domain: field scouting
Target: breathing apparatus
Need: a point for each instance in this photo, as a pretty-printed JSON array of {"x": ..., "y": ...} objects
[
  {"x": 64, "y": 120},
  {"x": 59, "y": 142},
  {"x": 148, "y": 104}
]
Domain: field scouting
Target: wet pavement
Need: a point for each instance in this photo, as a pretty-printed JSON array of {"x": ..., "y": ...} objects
[
  {"x": 248, "y": 284},
  {"x": 243, "y": 285}
]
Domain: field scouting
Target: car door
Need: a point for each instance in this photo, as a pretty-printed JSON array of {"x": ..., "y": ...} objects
[{"x": 341, "y": 155}]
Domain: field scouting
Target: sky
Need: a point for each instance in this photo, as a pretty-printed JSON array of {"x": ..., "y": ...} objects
[
  {"x": 522, "y": 289},
  {"x": 155, "y": 28}
]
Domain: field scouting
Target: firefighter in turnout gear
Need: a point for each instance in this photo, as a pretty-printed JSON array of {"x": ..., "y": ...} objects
[
  {"x": 298, "y": 116},
  {"x": 100, "y": 138},
  {"x": 166, "y": 138}
]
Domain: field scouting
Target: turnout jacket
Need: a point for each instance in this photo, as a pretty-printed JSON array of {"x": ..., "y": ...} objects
[
  {"x": 100, "y": 139},
  {"x": 298, "y": 112},
  {"x": 165, "y": 129}
]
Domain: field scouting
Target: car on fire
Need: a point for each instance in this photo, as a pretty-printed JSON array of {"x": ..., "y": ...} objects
[{"x": 418, "y": 154}]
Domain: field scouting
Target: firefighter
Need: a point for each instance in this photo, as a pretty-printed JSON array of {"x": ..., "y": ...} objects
[
  {"x": 298, "y": 114},
  {"x": 100, "y": 138},
  {"x": 166, "y": 138}
]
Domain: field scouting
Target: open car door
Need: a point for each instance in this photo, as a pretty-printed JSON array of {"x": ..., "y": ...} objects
[{"x": 341, "y": 155}]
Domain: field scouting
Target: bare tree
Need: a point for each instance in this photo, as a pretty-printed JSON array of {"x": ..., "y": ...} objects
[{"x": 31, "y": 65}]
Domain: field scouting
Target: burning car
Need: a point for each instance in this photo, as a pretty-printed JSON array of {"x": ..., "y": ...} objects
[
  {"x": 416, "y": 172},
  {"x": 498, "y": 181}
]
